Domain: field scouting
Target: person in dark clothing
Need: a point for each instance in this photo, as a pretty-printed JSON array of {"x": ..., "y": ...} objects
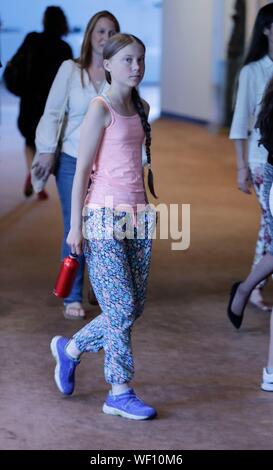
[
  {"x": 241, "y": 291},
  {"x": 43, "y": 54}
]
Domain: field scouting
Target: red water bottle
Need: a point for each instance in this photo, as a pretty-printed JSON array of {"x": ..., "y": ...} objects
[{"x": 66, "y": 276}]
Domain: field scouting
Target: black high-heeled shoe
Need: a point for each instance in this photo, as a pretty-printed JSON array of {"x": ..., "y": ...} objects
[{"x": 236, "y": 320}]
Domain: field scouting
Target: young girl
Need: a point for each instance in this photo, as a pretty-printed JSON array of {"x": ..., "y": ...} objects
[
  {"x": 117, "y": 227},
  {"x": 241, "y": 291},
  {"x": 251, "y": 159}
]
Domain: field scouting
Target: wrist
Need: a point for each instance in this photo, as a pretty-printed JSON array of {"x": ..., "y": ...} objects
[{"x": 76, "y": 228}]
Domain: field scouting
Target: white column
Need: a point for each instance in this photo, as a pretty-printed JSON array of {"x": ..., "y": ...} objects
[
  {"x": 253, "y": 7},
  {"x": 187, "y": 56},
  {"x": 195, "y": 35}
]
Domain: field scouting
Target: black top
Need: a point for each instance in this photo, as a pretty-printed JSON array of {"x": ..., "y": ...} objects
[{"x": 43, "y": 55}]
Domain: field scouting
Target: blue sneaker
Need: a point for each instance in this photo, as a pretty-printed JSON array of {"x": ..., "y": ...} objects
[
  {"x": 127, "y": 405},
  {"x": 66, "y": 365}
]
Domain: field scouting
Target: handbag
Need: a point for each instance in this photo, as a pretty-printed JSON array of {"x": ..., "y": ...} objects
[
  {"x": 17, "y": 71},
  {"x": 39, "y": 183},
  {"x": 13, "y": 76}
]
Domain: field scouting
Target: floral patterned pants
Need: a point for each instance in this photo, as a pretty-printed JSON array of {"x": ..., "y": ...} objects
[
  {"x": 264, "y": 238},
  {"x": 118, "y": 270}
]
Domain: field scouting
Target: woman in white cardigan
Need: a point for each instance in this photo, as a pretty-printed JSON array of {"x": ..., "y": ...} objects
[
  {"x": 77, "y": 83},
  {"x": 251, "y": 158}
]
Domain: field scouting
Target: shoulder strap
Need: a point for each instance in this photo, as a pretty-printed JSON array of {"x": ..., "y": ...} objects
[
  {"x": 68, "y": 88},
  {"x": 107, "y": 102},
  {"x": 62, "y": 119}
]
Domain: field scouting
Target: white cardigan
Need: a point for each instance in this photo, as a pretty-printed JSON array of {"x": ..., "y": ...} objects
[
  {"x": 77, "y": 105},
  {"x": 252, "y": 82}
]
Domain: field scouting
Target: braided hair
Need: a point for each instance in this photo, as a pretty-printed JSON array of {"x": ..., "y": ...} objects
[
  {"x": 112, "y": 46},
  {"x": 147, "y": 129}
]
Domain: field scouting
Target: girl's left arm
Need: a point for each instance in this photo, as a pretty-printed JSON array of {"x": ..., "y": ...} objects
[{"x": 92, "y": 130}]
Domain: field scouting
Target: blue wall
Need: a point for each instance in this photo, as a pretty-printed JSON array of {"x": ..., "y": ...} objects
[{"x": 140, "y": 17}]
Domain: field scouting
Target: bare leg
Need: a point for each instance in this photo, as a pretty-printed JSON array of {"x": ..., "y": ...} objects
[
  {"x": 72, "y": 349},
  {"x": 117, "y": 389},
  {"x": 262, "y": 270},
  {"x": 29, "y": 153},
  {"x": 256, "y": 299}
]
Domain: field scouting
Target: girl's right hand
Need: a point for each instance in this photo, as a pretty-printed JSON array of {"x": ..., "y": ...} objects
[
  {"x": 244, "y": 180},
  {"x": 43, "y": 167},
  {"x": 74, "y": 240}
]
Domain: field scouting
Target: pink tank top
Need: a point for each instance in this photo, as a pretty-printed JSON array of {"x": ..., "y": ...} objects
[{"x": 117, "y": 170}]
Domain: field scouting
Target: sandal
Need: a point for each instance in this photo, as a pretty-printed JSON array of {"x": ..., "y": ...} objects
[
  {"x": 74, "y": 311},
  {"x": 257, "y": 301}
]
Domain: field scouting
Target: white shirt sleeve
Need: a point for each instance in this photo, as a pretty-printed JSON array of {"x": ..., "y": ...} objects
[
  {"x": 244, "y": 113},
  {"x": 47, "y": 129}
]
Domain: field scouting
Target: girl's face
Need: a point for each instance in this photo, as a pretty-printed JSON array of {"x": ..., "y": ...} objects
[
  {"x": 103, "y": 30},
  {"x": 127, "y": 66}
]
